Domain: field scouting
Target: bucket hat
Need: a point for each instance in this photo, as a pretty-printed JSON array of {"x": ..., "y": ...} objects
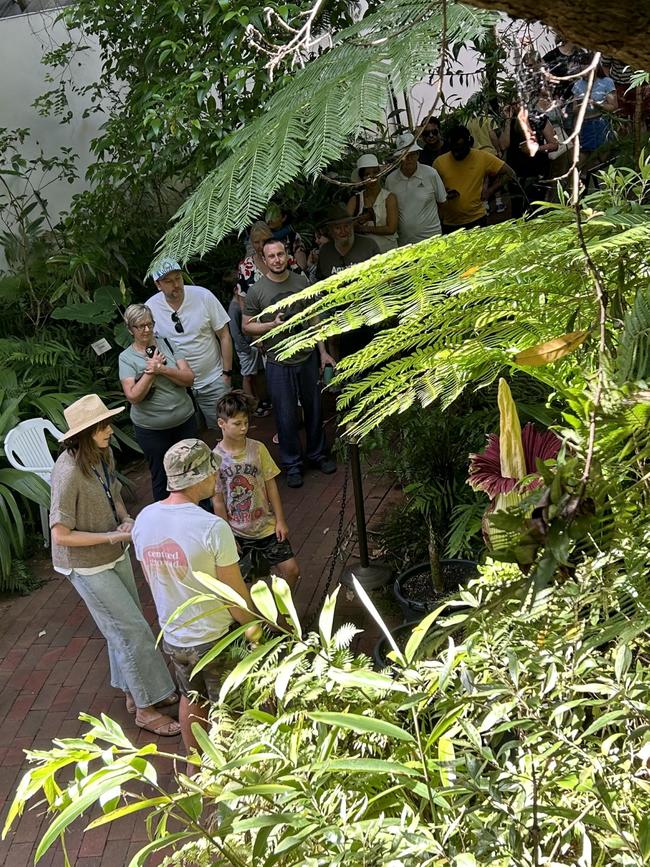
[
  {"x": 337, "y": 214},
  {"x": 86, "y": 412},
  {"x": 188, "y": 462}
]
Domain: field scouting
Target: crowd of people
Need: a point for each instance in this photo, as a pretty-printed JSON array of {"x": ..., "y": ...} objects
[{"x": 213, "y": 507}]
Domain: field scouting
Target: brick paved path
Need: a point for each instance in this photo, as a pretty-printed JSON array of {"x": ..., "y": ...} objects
[{"x": 53, "y": 662}]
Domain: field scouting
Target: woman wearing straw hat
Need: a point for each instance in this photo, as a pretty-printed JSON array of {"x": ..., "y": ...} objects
[
  {"x": 91, "y": 530},
  {"x": 374, "y": 207}
]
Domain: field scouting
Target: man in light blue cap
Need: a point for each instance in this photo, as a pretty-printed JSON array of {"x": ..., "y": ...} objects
[{"x": 193, "y": 319}]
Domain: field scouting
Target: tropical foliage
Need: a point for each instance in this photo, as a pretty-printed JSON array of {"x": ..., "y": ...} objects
[
  {"x": 524, "y": 742},
  {"x": 308, "y": 124}
]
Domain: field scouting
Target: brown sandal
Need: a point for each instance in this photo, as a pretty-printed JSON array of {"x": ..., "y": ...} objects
[
  {"x": 166, "y": 702},
  {"x": 161, "y": 725}
]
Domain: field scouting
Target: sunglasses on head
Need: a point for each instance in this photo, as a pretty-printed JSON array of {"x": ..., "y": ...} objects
[{"x": 178, "y": 325}]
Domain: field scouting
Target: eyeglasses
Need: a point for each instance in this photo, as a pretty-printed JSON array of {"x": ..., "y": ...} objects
[
  {"x": 431, "y": 133},
  {"x": 143, "y": 325},
  {"x": 178, "y": 325}
]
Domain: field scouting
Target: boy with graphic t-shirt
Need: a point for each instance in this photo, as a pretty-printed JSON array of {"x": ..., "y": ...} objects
[{"x": 246, "y": 493}]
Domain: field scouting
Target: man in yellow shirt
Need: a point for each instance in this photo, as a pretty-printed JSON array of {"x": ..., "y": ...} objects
[{"x": 464, "y": 171}]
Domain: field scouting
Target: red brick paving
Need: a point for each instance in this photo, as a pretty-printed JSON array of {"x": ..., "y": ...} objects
[{"x": 53, "y": 662}]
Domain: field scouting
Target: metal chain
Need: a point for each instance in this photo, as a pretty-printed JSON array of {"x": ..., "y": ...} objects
[{"x": 332, "y": 557}]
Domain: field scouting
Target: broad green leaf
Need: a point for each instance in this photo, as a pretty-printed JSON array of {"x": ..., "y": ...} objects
[
  {"x": 326, "y": 618},
  {"x": 241, "y": 670},
  {"x": 376, "y": 616},
  {"x": 221, "y": 645},
  {"x": 203, "y": 740},
  {"x": 446, "y": 756},
  {"x": 77, "y": 807},
  {"x": 420, "y": 631},
  {"x": 359, "y": 723},
  {"x": 282, "y": 593},
  {"x": 364, "y": 679},
  {"x": 27, "y": 484},
  {"x": 223, "y": 591},
  {"x": 136, "y": 807},
  {"x": 264, "y": 601},
  {"x": 644, "y": 837},
  {"x": 140, "y": 858},
  {"x": 366, "y": 766},
  {"x": 622, "y": 661}
]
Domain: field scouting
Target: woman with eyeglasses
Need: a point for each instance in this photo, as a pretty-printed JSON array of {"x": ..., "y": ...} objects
[{"x": 155, "y": 378}]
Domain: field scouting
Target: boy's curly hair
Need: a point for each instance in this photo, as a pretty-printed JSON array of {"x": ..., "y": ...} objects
[{"x": 234, "y": 402}]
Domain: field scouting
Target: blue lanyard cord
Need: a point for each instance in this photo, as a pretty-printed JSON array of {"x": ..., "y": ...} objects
[{"x": 106, "y": 485}]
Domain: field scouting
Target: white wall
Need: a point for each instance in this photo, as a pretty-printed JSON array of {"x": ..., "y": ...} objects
[{"x": 23, "y": 39}]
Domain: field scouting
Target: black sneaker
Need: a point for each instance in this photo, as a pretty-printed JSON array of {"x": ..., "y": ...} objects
[
  {"x": 326, "y": 465},
  {"x": 294, "y": 479}
]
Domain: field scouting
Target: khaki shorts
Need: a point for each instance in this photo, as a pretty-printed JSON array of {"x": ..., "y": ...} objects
[{"x": 207, "y": 682}]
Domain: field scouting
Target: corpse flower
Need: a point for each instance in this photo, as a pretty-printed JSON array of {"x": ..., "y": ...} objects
[{"x": 508, "y": 458}]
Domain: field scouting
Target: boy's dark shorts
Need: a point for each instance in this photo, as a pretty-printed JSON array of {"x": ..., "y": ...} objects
[
  {"x": 264, "y": 552},
  {"x": 207, "y": 682}
]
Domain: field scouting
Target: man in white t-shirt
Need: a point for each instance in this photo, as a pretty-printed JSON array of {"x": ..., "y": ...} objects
[
  {"x": 173, "y": 539},
  {"x": 198, "y": 324},
  {"x": 418, "y": 189}
]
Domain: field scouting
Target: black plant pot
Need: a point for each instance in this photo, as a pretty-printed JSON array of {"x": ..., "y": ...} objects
[
  {"x": 417, "y": 597},
  {"x": 400, "y": 635}
]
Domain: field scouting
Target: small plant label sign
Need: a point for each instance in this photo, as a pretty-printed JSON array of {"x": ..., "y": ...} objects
[{"x": 101, "y": 346}]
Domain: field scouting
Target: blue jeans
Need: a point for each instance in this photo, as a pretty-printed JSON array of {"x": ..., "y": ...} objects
[
  {"x": 154, "y": 444},
  {"x": 136, "y": 665},
  {"x": 286, "y": 384}
]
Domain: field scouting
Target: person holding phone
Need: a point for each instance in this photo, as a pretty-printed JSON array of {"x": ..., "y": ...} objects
[{"x": 155, "y": 378}]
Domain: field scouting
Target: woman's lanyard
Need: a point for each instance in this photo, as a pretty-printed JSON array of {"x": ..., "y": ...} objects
[{"x": 106, "y": 485}]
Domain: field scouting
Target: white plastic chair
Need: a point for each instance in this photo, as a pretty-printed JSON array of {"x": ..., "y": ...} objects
[{"x": 26, "y": 449}]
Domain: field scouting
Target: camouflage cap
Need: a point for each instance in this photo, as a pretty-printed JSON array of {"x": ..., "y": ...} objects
[{"x": 188, "y": 462}]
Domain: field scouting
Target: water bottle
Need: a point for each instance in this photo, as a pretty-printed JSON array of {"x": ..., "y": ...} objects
[{"x": 328, "y": 374}]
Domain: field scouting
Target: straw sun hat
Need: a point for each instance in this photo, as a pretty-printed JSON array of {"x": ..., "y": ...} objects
[{"x": 86, "y": 412}]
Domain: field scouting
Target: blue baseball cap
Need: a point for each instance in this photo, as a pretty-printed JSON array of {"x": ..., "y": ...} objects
[{"x": 165, "y": 267}]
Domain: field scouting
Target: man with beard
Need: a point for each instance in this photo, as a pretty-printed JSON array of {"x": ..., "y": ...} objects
[{"x": 295, "y": 378}]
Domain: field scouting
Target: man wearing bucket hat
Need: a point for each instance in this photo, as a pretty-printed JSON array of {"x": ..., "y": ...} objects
[
  {"x": 419, "y": 189},
  {"x": 345, "y": 248},
  {"x": 198, "y": 324},
  {"x": 373, "y": 206},
  {"x": 91, "y": 529},
  {"x": 174, "y": 539}
]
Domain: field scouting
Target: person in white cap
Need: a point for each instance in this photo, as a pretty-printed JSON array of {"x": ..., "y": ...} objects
[
  {"x": 419, "y": 190},
  {"x": 91, "y": 530},
  {"x": 198, "y": 324},
  {"x": 374, "y": 207}
]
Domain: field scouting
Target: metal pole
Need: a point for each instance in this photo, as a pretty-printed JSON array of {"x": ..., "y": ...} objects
[
  {"x": 357, "y": 487},
  {"x": 373, "y": 575}
]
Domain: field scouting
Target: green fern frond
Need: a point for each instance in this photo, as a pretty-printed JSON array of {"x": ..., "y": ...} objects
[
  {"x": 634, "y": 348},
  {"x": 308, "y": 123},
  {"x": 455, "y": 310}
]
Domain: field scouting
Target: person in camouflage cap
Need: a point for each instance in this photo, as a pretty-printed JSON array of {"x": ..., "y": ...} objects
[
  {"x": 188, "y": 462},
  {"x": 174, "y": 539}
]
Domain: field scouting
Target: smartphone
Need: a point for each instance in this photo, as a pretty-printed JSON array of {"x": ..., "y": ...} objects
[{"x": 150, "y": 351}]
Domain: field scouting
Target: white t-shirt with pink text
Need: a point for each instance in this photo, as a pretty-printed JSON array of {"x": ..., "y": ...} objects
[{"x": 171, "y": 542}]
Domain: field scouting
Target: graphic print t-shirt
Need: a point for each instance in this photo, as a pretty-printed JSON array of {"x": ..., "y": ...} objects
[
  {"x": 242, "y": 482},
  {"x": 172, "y": 542}
]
